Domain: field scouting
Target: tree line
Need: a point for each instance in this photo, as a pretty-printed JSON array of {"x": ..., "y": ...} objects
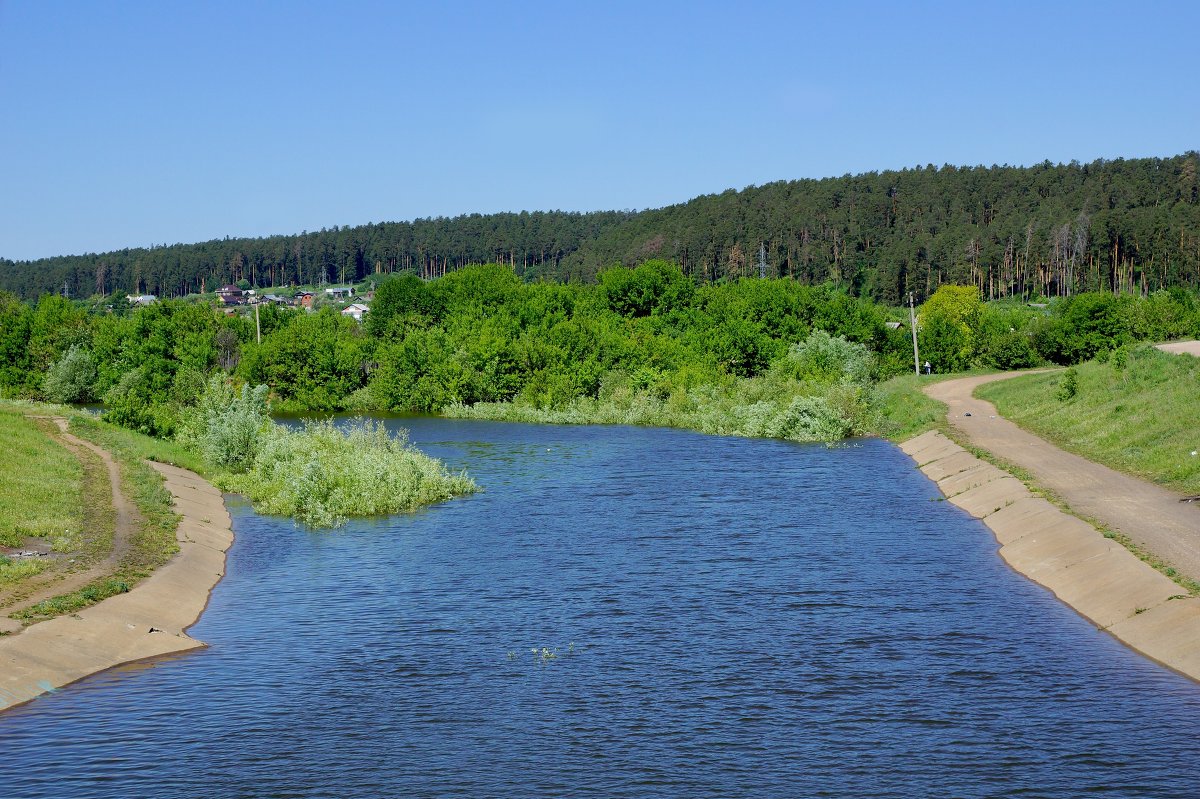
[
  {"x": 481, "y": 334},
  {"x": 1122, "y": 226}
]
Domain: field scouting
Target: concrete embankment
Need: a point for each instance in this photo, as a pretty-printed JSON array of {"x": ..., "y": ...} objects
[
  {"x": 149, "y": 620},
  {"x": 1095, "y": 575}
]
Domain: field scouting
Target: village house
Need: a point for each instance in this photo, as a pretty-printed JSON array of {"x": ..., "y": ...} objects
[
  {"x": 339, "y": 292},
  {"x": 356, "y": 311},
  {"x": 231, "y": 295},
  {"x": 141, "y": 299},
  {"x": 304, "y": 299}
]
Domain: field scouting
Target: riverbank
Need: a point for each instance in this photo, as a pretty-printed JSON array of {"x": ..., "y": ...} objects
[
  {"x": 1092, "y": 573},
  {"x": 149, "y": 620}
]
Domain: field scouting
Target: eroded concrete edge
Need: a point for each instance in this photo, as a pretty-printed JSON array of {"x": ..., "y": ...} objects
[
  {"x": 152, "y": 619},
  {"x": 1100, "y": 579}
]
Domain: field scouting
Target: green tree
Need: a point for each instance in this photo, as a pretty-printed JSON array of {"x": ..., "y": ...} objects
[
  {"x": 947, "y": 326},
  {"x": 15, "y": 322},
  {"x": 655, "y": 287}
]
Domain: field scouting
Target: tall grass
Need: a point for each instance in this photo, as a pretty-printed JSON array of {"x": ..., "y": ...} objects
[
  {"x": 1137, "y": 411},
  {"x": 321, "y": 475}
]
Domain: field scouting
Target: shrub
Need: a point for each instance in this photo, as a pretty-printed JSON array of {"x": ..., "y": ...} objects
[
  {"x": 948, "y": 326},
  {"x": 133, "y": 403},
  {"x": 71, "y": 378},
  {"x": 822, "y": 358},
  {"x": 321, "y": 475},
  {"x": 226, "y": 426},
  {"x": 1068, "y": 386}
]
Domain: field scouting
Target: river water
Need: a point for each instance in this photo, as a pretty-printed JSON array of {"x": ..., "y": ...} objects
[{"x": 720, "y": 617}]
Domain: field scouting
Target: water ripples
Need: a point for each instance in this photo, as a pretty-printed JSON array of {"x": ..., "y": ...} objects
[{"x": 626, "y": 613}]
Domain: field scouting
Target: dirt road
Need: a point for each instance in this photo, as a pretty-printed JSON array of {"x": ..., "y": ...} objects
[
  {"x": 1151, "y": 516},
  {"x": 1182, "y": 348}
]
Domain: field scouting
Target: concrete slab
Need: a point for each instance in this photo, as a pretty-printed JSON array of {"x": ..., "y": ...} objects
[
  {"x": 984, "y": 500},
  {"x": 1169, "y": 633},
  {"x": 1024, "y": 517},
  {"x": 940, "y": 469},
  {"x": 1095, "y": 575},
  {"x": 977, "y": 475}
]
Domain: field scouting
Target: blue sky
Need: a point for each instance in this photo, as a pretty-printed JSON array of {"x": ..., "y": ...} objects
[{"x": 131, "y": 124}]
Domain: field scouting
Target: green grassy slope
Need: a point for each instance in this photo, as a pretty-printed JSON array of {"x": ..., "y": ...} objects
[{"x": 40, "y": 484}]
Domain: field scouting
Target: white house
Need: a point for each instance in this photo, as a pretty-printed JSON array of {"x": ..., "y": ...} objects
[{"x": 355, "y": 311}]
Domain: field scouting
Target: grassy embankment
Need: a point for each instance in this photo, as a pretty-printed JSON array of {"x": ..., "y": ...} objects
[
  {"x": 767, "y": 407},
  {"x": 903, "y": 410},
  {"x": 896, "y": 409},
  {"x": 1137, "y": 412},
  {"x": 41, "y": 494},
  {"x": 64, "y": 498}
]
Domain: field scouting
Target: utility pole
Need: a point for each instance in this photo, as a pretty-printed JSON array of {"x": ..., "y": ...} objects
[
  {"x": 912, "y": 322},
  {"x": 257, "y": 326}
]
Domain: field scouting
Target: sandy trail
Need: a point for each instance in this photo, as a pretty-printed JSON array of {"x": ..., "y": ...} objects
[
  {"x": 1182, "y": 348},
  {"x": 58, "y": 581},
  {"x": 1152, "y": 517}
]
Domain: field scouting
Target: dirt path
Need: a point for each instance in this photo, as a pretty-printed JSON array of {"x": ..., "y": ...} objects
[
  {"x": 57, "y": 582},
  {"x": 1182, "y": 348},
  {"x": 1152, "y": 517}
]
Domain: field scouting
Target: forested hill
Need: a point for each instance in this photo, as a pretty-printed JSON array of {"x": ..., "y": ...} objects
[
  {"x": 1123, "y": 225},
  {"x": 1127, "y": 225}
]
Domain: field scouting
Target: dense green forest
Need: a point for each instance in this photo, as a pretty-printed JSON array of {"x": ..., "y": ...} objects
[{"x": 1126, "y": 226}]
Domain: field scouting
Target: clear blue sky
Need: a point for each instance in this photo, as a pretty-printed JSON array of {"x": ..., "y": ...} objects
[{"x": 127, "y": 124}]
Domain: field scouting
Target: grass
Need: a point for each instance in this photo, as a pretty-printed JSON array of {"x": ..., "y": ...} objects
[
  {"x": 41, "y": 484},
  {"x": 321, "y": 475},
  {"x": 903, "y": 409},
  {"x": 13, "y": 571},
  {"x": 153, "y": 542},
  {"x": 76, "y": 600},
  {"x": 1137, "y": 413}
]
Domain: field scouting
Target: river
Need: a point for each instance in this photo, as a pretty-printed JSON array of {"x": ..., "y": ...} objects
[{"x": 626, "y": 612}]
